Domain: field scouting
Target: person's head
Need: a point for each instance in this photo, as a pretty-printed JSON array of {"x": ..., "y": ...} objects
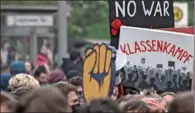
[
  {"x": 178, "y": 71},
  {"x": 22, "y": 83},
  {"x": 130, "y": 76},
  {"x": 135, "y": 67},
  {"x": 48, "y": 44},
  {"x": 72, "y": 73},
  {"x": 144, "y": 77},
  {"x": 102, "y": 105},
  {"x": 136, "y": 106},
  {"x": 168, "y": 97},
  {"x": 188, "y": 77},
  {"x": 180, "y": 78},
  {"x": 152, "y": 80},
  {"x": 70, "y": 92},
  {"x": 142, "y": 73},
  {"x": 28, "y": 67},
  {"x": 17, "y": 68},
  {"x": 75, "y": 56},
  {"x": 169, "y": 84},
  {"x": 174, "y": 77},
  {"x": 162, "y": 78},
  {"x": 56, "y": 76},
  {"x": 77, "y": 82},
  {"x": 43, "y": 99},
  {"x": 8, "y": 102},
  {"x": 41, "y": 75},
  {"x": 183, "y": 103},
  {"x": 188, "y": 74},
  {"x": 157, "y": 75},
  {"x": 143, "y": 60}
]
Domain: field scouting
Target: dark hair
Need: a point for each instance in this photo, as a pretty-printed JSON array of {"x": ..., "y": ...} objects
[
  {"x": 31, "y": 64},
  {"x": 169, "y": 83},
  {"x": 76, "y": 81},
  {"x": 43, "y": 99},
  {"x": 152, "y": 80},
  {"x": 65, "y": 87},
  {"x": 144, "y": 77},
  {"x": 74, "y": 55},
  {"x": 8, "y": 100},
  {"x": 136, "y": 106},
  {"x": 102, "y": 105},
  {"x": 72, "y": 73},
  {"x": 183, "y": 103},
  {"x": 39, "y": 70}
]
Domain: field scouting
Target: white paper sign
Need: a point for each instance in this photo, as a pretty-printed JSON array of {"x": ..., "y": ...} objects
[
  {"x": 180, "y": 14},
  {"x": 30, "y": 20},
  {"x": 157, "y": 47}
]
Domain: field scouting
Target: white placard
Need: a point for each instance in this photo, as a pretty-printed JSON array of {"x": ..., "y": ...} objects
[
  {"x": 157, "y": 47},
  {"x": 29, "y": 20},
  {"x": 180, "y": 14}
]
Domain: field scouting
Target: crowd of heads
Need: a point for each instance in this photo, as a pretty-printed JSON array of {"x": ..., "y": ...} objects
[
  {"x": 162, "y": 80},
  {"x": 28, "y": 88},
  {"x": 63, "y": 97}
]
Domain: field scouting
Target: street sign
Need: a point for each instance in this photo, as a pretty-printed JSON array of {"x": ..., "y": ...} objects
[{"x": 29, "y": 20}]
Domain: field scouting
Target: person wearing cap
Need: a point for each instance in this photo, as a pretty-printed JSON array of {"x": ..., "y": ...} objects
[
  {"x": 73, "y": 63},
  {"x": 56, "y": 76},
  {"x": 17, "y": 68}
]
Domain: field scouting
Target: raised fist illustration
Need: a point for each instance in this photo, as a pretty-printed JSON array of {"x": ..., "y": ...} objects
[{"x": 97, "y": 72}]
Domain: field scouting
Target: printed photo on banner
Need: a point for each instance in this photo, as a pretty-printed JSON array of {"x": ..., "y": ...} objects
[{"x": 160, "y": 49}]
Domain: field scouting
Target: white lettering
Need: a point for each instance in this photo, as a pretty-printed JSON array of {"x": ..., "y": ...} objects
[
  {"x": 158, "y": 9},
  {"x": 166, "y": 7},
  {"x": 118, "y": 7},
  {"x": 128, "y": 11},
  {"x": 147, "y": 11}
]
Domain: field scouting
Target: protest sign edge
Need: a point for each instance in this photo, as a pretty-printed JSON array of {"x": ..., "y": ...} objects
[{"x": 158, "y": 30}]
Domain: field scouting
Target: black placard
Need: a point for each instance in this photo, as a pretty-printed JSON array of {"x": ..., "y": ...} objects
[{"x": 141, "y": 13}]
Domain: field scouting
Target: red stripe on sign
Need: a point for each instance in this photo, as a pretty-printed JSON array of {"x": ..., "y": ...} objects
[{"x": 187, "y": 30}]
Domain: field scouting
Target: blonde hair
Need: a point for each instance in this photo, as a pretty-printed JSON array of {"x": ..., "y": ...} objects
[{"x": 23, "y": 81}]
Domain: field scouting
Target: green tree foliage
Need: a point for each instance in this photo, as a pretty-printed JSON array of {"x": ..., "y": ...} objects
[{"x": 89, "y": 18}]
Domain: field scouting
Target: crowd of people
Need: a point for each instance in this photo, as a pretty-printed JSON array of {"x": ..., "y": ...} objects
[
  {"x": 37, "y": 88},
  {"x": 159, "y": 79},
  {"x": 26, "y": 94}
]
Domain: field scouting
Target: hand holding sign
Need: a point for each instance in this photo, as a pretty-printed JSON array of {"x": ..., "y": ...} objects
[{"x": 97, "y": 72}]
